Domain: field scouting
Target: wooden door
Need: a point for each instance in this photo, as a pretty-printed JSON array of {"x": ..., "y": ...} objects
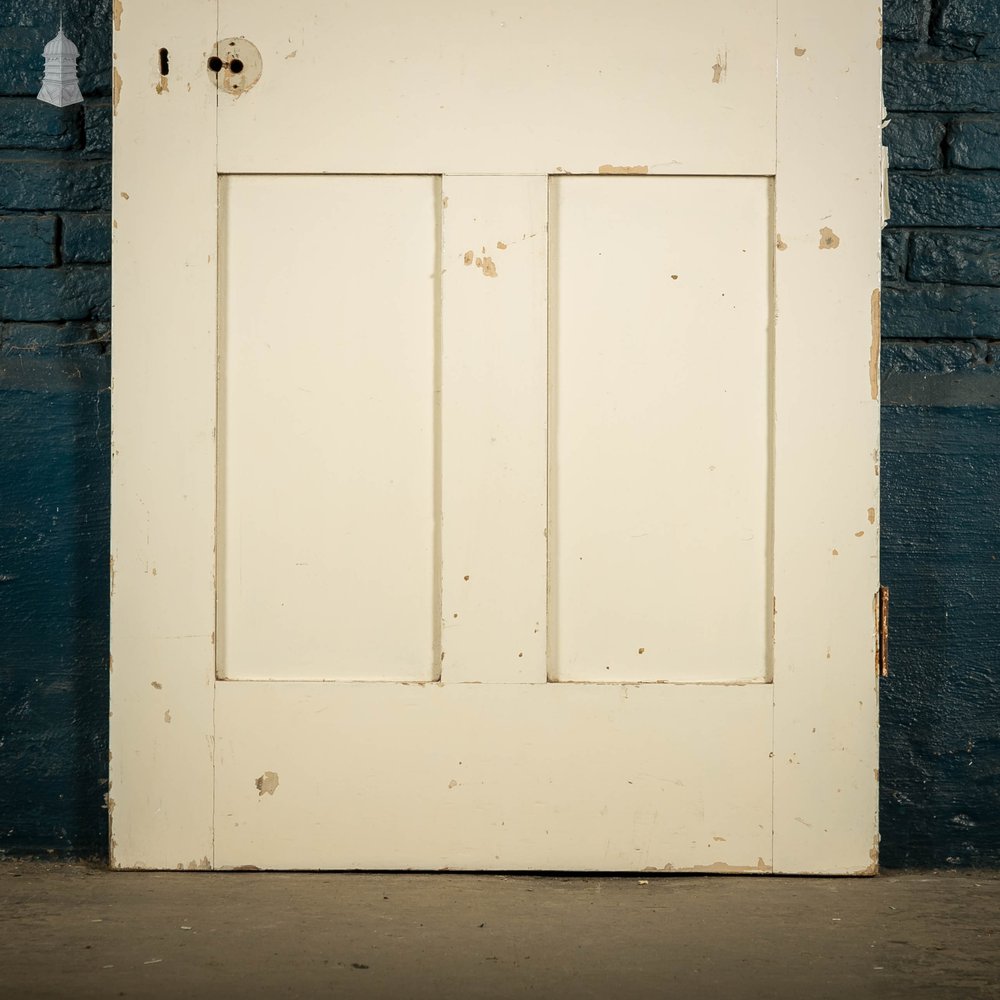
[{"x": 495, "y": 436}]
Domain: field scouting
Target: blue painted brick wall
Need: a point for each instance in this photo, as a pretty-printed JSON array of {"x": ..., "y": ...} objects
[
  {"x": 940, "y": 764},
  {"x": 940, "y": 733},
  {"x": 54, "y": 435}
]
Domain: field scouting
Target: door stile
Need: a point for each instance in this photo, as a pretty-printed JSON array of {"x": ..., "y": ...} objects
[
  {"x": 828, "y": 212},
  {"x": 160, "y": 797}
]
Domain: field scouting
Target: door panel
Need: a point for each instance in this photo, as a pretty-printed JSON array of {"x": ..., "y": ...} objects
[
  {"x": 659, "y": 362},
  {"x": 326, "y": 432}
]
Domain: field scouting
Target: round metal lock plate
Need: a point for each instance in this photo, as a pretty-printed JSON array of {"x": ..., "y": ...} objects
[{"x": 235, "y": 65}]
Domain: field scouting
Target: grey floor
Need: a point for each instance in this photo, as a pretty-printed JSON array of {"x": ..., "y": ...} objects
[{"x": 76, "y": 930}]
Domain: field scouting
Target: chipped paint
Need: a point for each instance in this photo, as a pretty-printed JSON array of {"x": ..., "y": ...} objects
[
  {"x": 166, "y": 716},
  {"x": 799, "y": 52},
  {"x": 780, "y": 243},
  {"x": 608, "y": 168},
  {"x": 197, "y": 866},
  {"x": 453, "y": 783},
  {"x": 871, "y": 515},
  {"x": 489, "y": 269},
  {"x": 162, "y": 87},
  {"x": 871, "y": 869},
  {"x": 468, "y": 258},
  {"x": 444, "y": 202},
  {"x": 157, "y": 685},
  {"x": 876, "y": 341},
  {"x": 717, "y": 867},
  {"x": 828, "y": 239},
  {"x": 124, "y": 195},
  {"x": 266, "y": 783},
  {"x": 116, "y": 13},
  {"x": 501, "y": 245},
  {"x": 116, "y": 90},
  {"x": 292, "y": 54},
  {"x": 721, "y": 67}
]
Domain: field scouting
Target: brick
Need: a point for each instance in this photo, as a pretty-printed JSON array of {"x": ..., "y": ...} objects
[
  {"x": 894, "y": 246},
  {"x": 35, "y": 185},
  {"x": 906, "y": 20},
  {"x": 912, "y": 81},
  {"x": 47, "y": 294},
  {"x": 934, "y": 312},
  {"x": 914, "y": 142},
  {"x": 27, "y": 123},
  {"x": 971, "y": 26},
  {"x": 27, "y": 240},
  {"x": 97, "y": 128},
  {"x": 86, "y": 239},
  {"x": 934, "y": 358},
  {"x": 975, "y": 144},
  {"x": 40, "y": 339},
  {"x": 955, "y": 258},
  {"x": 956, "y": 199}
]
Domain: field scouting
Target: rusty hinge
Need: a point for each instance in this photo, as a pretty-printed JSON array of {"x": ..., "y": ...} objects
[{"x": 882, "y": 640}]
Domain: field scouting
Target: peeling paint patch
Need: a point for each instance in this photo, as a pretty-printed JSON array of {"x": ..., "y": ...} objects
[
  {"x": 116, "y": 11},
  {"x": 721, "y": 67},
  {"x": 608, "y": 168},
  {"x": 876, "y": 341},
  {"x": 116, "y": 90},
  {"x": 266, "y": 783},
  {"x": 488, "y": 267},
  {"x": 723, "y": 869},
  {"x": 198, "y": 866},
  {"x": 828, "y": 239}
]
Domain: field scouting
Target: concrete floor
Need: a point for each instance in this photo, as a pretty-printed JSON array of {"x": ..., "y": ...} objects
[{"x": 76, "y": 930}]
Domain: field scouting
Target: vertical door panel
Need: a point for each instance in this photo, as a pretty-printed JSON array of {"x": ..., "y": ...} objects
[
  {"x": 659, "y": 315},
  {"x": 326, "y": 431}
]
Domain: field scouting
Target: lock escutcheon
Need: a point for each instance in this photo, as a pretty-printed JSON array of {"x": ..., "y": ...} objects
[{"x": 234, "y": 65}]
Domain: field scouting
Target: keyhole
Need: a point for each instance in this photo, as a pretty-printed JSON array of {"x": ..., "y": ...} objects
[
  {"x": 215, "y": 64},
  {"x": 164, "y": 62}
]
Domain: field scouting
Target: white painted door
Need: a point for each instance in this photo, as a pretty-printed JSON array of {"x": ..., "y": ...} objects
[{"x": 495, "y": 436}]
